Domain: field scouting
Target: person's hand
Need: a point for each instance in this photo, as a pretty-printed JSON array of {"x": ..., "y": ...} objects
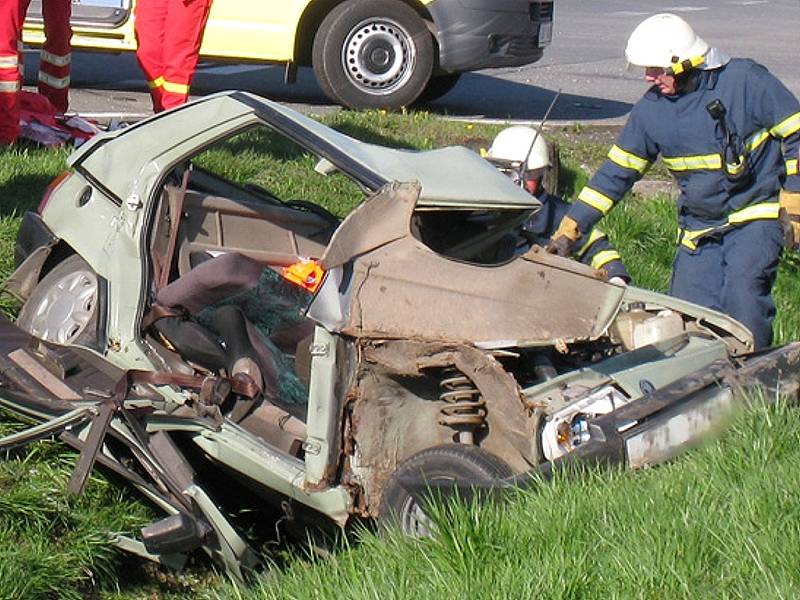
[
  {"x": 790, "y": 218},
  {"x": 561, "y": 246},
  {"x": 564, "y": 239},
  {"x": 618, "y": 281}
]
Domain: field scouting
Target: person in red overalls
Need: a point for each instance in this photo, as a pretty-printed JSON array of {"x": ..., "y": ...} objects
[
  {"x": 54, "y": 65},
  {"x": 168, "y": 34}
]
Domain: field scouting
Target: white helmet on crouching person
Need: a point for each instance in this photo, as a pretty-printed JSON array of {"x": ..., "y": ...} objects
[
  {"x": 665, "y": 40},
  {"x": 517, "y": 145}
]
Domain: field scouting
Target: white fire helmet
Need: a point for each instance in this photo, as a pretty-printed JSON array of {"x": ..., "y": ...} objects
[
  {"x": 513, "y": 144},
  {"x": 662, "y": 41}
]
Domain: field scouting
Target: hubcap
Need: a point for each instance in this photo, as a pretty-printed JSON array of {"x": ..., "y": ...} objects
[
  {"x": 66, "y": 308},
  {"x": 378, "y": 56},
  {"x": 413, "y": 520}
]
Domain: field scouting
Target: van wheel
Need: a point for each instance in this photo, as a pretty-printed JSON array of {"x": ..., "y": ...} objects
[
  {"x": 373, "y": 54},
  {"x": 63, "y": 307},
  {"x": 448, "y": 463}
]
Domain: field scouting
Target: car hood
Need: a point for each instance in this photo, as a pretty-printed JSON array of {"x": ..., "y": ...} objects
[{"x": 453, "y": 177}]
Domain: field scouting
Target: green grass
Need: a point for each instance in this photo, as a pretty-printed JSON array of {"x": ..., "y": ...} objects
[{"x": 720, "y": 522}]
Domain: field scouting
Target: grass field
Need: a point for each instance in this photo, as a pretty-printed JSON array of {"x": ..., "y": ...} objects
[{"x": 720, "y": 522}]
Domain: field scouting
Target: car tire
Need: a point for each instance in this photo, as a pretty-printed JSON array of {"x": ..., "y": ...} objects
[
  {"x": 373, "y": 54},
  {"x": 64, "y": 306},
  {"x": 438, "y": 86},
  {"x": 451, "y": 462}
]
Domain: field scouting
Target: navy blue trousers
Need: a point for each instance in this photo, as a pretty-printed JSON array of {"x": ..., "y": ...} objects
[{"x": 734, "y": 274}]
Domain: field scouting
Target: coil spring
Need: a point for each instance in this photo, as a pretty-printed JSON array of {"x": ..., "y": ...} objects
[{"x": 464, "y": 405}]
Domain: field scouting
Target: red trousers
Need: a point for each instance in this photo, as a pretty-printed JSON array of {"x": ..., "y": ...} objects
[
  {"x": 168, "y": 35},
  {"x": 53, "y": 67}
]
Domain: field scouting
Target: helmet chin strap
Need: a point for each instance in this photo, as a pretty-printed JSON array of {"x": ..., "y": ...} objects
[{"x": 684, "y": 66}]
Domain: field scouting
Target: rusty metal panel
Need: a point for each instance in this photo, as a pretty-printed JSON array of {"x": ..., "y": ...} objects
[{"x": 405, "y": 290}]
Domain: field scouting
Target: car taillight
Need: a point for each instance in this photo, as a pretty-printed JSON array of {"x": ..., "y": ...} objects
[
  {"x": 306, "y": 273},
  {"x": 48, "y": 192}
]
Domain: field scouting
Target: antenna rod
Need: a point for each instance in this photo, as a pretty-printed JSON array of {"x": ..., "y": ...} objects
[{"x": 524, "y": 163}]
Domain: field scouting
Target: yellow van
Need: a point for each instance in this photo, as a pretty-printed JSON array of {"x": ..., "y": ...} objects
[{"x": 365, "y": 53}]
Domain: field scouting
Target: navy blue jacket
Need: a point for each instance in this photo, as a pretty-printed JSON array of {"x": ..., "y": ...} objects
[
  {"x": 593, "y": 249},
  {"x": 760, "y": 111}
]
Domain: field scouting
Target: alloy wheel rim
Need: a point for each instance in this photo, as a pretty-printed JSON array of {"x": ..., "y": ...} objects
[{"x": 66, "y": 308}]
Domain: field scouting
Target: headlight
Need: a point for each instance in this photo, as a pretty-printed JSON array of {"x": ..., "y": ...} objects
[{"x": 565, "y": 430}]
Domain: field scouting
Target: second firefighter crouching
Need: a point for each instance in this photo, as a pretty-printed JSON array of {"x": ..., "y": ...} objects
[{"x": 523, "y": 154}]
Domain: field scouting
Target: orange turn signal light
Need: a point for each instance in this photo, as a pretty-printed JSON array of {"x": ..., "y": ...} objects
[{"x": 306, "y": 273}]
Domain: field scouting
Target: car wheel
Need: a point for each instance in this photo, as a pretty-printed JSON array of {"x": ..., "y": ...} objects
[
  {"x": 373, "y": 54},
  {"x": 451, "y": 462},
  {"x": 438, "y": 86},
  {"x": 63, "y": 307}
]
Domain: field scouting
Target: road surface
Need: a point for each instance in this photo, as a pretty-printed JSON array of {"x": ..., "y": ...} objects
[{"x": 585, "y": 61}]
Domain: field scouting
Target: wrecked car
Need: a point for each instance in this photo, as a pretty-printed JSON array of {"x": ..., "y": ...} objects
[{"x": 215, "y": 344}]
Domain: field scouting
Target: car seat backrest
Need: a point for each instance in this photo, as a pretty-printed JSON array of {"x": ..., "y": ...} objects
[{"x": 212, "y": 281}]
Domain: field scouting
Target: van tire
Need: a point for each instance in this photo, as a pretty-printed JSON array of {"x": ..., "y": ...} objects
[{"x": 373, "y": 54}]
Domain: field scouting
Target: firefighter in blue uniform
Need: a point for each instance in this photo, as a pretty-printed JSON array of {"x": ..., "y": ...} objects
[
  {"x": 523, "y": 154},
  {"x": 729, "y": 132}
]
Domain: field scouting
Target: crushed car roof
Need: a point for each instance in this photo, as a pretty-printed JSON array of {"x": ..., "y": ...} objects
[{"x": 450, "y": 177}]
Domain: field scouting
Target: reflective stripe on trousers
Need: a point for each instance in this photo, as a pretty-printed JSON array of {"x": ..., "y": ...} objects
[{"x": 755, "y": 212}]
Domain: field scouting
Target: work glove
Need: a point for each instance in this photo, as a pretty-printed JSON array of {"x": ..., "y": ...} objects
[
  {"x": 790, "y": 218},
  {"x": 564, "y": 239}
]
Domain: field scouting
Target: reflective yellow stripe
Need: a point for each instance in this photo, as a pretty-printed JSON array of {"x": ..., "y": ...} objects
[
  {"x": 755, "y": 140},
  {"x": 626, "y": 160},
  {"x": 754, "y": 212},
  {"x": 155, "y": 83},
  {"x": 787, "y": 127},
  {"x": 9, "y": 61},
  {"x": 596, "y": 200},
  {"x": 690, "y": 163},
  {"x": 603, "y": 258},
  {"x": 176, "y": 88},
  {"x": 59, "y": 83},
  {"x": 685, "y": 65},
  {"x": 55, "y": 59},
  {"x": 732, "y": 169},
  {"x": 9, "y": 87},
  {"x": 595, "y": 235},
  {"x": 688, "y": 237},
  {"x": 791, "y": 167}
]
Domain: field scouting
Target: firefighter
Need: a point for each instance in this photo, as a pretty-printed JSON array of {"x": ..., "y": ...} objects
[
  {"x": 523, "y": 154},
  {"x": 729, "y": 132},
  {"x": 168, "y": 35},
  {"x": 54, "y": 65}
]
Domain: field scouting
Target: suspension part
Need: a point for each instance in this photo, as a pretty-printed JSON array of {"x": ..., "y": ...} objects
[{"x": 464, "y": 409}]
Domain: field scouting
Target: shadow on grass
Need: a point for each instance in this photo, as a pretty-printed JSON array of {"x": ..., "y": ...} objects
[{"x": 21, "y": 194}]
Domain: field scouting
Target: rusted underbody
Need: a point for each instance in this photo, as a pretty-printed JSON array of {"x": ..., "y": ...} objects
[{"x": 413, "y": 395}]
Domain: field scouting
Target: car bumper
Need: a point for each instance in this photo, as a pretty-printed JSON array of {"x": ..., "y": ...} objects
[
  {"x": 658, "y": 426},
  {"x": 479, "y": 34}
]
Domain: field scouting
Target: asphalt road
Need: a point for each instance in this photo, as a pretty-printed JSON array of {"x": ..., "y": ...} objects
[{"x": 585, "y": 61}]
